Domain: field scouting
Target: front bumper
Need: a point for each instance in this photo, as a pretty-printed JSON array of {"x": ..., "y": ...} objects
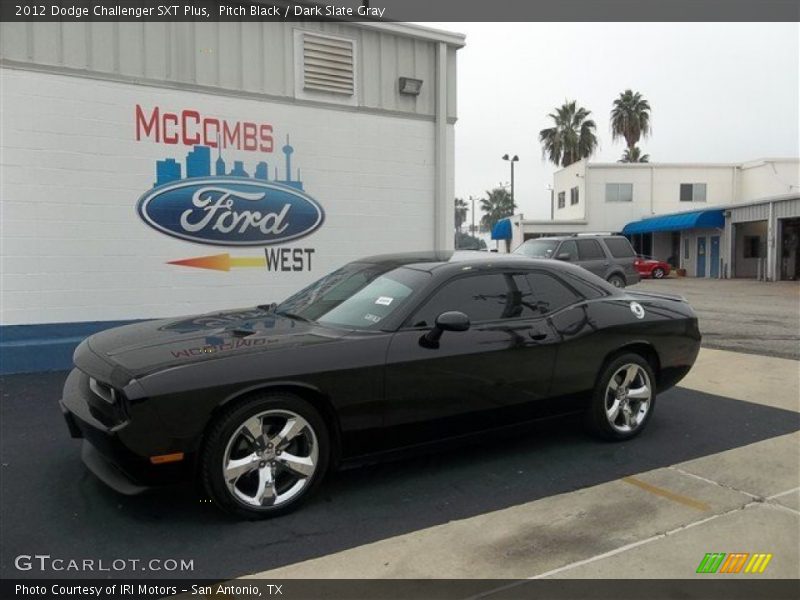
[{"x": 117, "y": 453}]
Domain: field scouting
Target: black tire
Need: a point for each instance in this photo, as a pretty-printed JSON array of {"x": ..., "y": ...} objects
[
  {"x": 221, "y": 435},
  {"x": 658, "y": 273},
  {"x": 617, "y": 281},
  {"x": 597, "y": 416}
]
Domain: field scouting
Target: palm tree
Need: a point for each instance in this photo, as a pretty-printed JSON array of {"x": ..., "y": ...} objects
[
  {"x": 634, "y": 155},
  {"x": 461, "y": 213},
  {"x": 497, "y": 205},
  {"x": 630, "y": 119},
  {"x": 571, "y": 138}
]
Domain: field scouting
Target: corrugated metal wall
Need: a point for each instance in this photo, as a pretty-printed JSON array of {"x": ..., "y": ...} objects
[
  {"x": 753, "y": 212},
  {"x": 251, "y": 57},
  {"x": 759, "y": 212},
  {"x": 787, "y": 208}
]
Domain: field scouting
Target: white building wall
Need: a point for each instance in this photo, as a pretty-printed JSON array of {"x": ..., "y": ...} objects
[
  {"x": 563, "y": 181},
  {"x": 71, "y": 172},
  {"x": 761, "y": 179}
]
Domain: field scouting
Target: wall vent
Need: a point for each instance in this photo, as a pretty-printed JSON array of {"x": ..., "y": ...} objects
[{"x": 328, "y": 64}]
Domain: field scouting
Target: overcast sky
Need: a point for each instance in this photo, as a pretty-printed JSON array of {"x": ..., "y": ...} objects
[{"x": 719, "y": 92}]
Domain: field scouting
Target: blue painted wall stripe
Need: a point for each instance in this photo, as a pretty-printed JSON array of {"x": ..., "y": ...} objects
[{"x": 45, "y": 347}]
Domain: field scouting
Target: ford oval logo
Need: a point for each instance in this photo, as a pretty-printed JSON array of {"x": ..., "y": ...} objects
[{"x": 230, "y": 211}]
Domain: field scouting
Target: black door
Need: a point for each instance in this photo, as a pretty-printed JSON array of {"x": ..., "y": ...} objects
[{"x": 476, "y": 379}]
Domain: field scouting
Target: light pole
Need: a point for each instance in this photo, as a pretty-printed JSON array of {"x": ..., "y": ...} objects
[
  {"x": 472, "y": 231},
  {"x": 512, "y": 160}
]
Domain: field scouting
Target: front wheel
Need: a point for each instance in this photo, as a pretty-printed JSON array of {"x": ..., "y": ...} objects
[
  {"x": 264, "y": 456},
  {"x": 658, "y": 273},
  {"x": 617, "y": 281},
  {"x": 624, "y": 398}
]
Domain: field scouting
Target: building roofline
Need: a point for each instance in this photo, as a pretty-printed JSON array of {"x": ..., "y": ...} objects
[
  {"x": 419, "y": 32},
  {"x": 684, "y": 165}
]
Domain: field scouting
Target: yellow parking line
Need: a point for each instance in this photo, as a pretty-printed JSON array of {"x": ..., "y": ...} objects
[{"x": 654, "y": 489}]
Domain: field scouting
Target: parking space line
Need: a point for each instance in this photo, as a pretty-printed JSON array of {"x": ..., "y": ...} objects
[
  {"x": 664, "y": 493},
  {"x": 712, "y": 482},
  {"x": 781, "y": 494}
]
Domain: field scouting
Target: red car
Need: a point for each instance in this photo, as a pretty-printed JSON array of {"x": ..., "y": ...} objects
[{"x": 647, "y": 266}]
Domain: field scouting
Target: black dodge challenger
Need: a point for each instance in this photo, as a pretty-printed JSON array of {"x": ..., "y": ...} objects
[{"x": 387, "y": 354}]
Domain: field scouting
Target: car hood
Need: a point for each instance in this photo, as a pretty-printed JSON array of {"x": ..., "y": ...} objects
[{"x": 149, "y": 346}]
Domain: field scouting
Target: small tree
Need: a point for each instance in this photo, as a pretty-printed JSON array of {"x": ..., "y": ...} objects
[
  {"x": 634, "y": 155},
  {"x": 461, "y": 213},
  {"x": 497, "y": 205},
  {"x": 630, "y": 119},
  {"x": 571, "y": 137}
]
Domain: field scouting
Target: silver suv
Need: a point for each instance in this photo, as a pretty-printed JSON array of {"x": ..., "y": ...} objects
[{"x": 608, "y": 256}]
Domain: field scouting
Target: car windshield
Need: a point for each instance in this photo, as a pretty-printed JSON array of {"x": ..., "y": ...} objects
[
  {"x": 359, "y": 295},
  {"x": 537, "y": 248}
]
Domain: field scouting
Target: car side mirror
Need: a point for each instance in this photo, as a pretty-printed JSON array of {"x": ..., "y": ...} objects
[
  {"x": 564, "y": 256},
  {"x": 452, "y": 320}
]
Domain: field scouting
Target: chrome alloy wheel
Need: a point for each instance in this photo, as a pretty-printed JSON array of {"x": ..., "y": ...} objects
[
  {"x": 628, "y": 397},
  {"x": 270, "y": 458}
]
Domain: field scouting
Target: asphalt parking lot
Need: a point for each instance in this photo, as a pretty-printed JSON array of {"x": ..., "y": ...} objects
[
  {"x": 742, "y": 315},
  {"x": 509, "y": 508}
]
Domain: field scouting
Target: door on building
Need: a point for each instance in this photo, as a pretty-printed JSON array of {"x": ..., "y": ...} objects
[
  {"x": 790, "y": 249},
  {"x": 701, "y": 257},
  {"x": 713, "y": 267}
]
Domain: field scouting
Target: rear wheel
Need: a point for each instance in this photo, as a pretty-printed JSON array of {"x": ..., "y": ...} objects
[
  {"x": 264, "y": 456},
  {"x": 624, "y": 398},
  {"x": 658, "y": 273},
  {"x": 617, "y": 281}
]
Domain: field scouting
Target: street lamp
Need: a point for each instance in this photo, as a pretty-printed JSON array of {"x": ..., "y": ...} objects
[
  {"x": 552, "y": 198},
  {"x": 512, "y": 160}
]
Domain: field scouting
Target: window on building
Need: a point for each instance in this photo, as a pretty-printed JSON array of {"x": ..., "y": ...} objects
[
  {"x": 573, "y": 195},
  {"x": 562, "y": 199},
  {"x": 693, "y": 192},
  {"x": 619, "y": 192},
  {"x": 752, "y": 246},
  {"x": 590, "y": 250}
]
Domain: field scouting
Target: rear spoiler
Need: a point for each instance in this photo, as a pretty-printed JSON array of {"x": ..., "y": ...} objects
[{"x": 674, "y": 297}]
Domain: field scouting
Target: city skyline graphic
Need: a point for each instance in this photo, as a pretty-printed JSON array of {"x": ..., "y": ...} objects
[{"x": 198, "y": 164}]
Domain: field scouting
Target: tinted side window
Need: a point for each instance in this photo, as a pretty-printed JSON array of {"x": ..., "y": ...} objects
[
  {"x": 570, "y": 248},
  {"x": 619, "y": 247},
  {"x": 590, "y": 250},
  {"x": 549, "y": 294},
  {"x": 480, "y": 297},
  {"x": 588, "y": 289}
]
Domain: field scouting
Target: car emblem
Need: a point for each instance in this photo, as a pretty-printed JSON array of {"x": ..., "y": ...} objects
[{"x": 637, "y": 309}]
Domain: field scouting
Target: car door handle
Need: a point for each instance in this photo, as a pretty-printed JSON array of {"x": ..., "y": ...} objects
[{"x": 537, "y": 335}]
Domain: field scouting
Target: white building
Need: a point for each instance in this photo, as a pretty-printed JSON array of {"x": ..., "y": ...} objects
[
  {"x": 713, "y": 220},
  {"x": 159, "y": 169}
]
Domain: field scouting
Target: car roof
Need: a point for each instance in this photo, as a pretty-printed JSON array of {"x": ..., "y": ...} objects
[
  {"x": 583, "y": 236},
  {"x": 453, "y": 260}
]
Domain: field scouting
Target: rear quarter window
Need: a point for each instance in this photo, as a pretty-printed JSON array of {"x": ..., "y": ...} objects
[{"x": 619, "y": 247}]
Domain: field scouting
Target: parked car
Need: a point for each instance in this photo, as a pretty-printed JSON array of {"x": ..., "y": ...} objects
[
  {"x": 386, "y": 354},
  {"x": 647, "y": 266},
  {"x": 608, "y": 256}
]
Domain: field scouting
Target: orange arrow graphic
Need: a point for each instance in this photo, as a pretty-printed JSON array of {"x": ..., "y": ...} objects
[{"x": 221, "y": 262}]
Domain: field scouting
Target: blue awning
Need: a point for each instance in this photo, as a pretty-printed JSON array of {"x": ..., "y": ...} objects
[
  {"x": 677, "y": 222},
  {"x": 502, "y": 230}
]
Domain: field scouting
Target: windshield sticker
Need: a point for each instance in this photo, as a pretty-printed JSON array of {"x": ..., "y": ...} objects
[
  {"x": 371, "y": 317},
  {"x": 384, "y": 300}
]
